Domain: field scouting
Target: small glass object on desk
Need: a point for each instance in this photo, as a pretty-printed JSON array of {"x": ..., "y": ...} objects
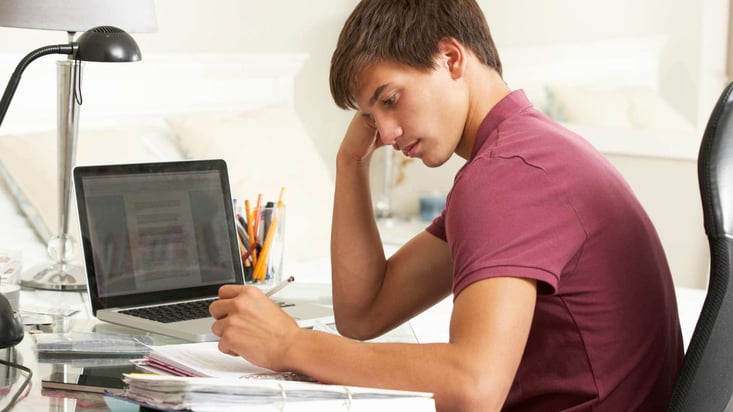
[
  {"x": 11, "y": 263},
  {"x": 432, "y": 204}
]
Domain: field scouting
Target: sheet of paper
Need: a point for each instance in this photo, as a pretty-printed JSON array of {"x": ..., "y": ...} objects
[{"x": 205, "y": 359}]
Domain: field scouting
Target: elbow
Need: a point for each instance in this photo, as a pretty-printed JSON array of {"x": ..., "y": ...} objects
[
  {"x": 355, "y": 327},
  {"x": 472, "y": 389},
  {"x": 469, "y": 399},
  {"x": 354, "y": 333}
]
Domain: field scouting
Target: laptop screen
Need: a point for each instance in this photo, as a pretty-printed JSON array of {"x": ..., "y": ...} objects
[{"x": 156, "y": 232}]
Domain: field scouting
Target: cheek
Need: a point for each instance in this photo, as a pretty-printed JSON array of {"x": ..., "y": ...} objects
[{"x": 447, "y": 109}]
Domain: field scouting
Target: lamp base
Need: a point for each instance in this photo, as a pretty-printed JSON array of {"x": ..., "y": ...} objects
[{"x": 55, "y": 276}]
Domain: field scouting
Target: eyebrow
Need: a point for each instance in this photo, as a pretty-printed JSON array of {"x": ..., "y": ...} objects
[{"x": 376, "y": 94}]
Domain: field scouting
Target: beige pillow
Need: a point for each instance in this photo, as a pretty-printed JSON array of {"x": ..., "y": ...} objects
[
  {"x": 607, "y": 108},
  {"x": 265, "y": 150},
  {"x": 28, "y": 163},
  {"x": 637, "y": 108}
]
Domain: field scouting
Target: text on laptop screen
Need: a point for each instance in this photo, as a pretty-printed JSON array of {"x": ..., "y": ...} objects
[{"x": 157, "y": 234}]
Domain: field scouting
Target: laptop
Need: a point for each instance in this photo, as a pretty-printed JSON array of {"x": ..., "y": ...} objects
[{"x": 159, "y": 239}]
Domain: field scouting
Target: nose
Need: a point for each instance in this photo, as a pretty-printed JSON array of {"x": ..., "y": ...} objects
[{"x": 389, "y": 131}]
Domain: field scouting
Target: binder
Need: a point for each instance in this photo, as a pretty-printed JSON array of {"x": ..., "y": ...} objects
[{"x": 176, "y": 393}]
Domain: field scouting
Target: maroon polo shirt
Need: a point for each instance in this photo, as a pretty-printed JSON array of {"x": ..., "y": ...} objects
[{"x": 537, "y": 201}]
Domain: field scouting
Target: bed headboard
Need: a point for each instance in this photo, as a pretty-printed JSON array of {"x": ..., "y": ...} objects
[{"x": 159, "y": 85}]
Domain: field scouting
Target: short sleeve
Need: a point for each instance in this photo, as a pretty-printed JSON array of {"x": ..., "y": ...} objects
[
  {"x": 507, "y": 218},
  {"x": 437, "y": 226}
]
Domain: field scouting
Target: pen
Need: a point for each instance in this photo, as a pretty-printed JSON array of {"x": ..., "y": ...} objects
[
  {"x": 256, "y": 228},
  {"x": 258, "y": 215},
  {"x": 280, "y": 286}
]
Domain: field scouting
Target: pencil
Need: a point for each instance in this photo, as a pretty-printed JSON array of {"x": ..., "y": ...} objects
[
  {"x": 250, "y": 229},
  {"x": 256, "y": 228},
  {"x": 280, "y": 286},
  {"x": 261, "y": 266}
]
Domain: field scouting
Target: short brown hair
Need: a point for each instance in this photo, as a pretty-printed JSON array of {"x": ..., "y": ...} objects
[{"x": 407, "y": 32}]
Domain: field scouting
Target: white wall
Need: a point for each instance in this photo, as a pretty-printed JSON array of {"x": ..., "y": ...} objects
[{"x": 312, "y": 27}]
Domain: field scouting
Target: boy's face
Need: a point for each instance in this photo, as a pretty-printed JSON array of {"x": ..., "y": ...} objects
[{"x": 420, "y": 112}]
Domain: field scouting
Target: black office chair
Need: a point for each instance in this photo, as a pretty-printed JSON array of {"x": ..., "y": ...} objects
[{"x": 705, "y": 382}]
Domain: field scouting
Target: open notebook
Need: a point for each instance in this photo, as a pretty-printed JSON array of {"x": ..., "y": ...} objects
[{"x": 159, "y": 240}]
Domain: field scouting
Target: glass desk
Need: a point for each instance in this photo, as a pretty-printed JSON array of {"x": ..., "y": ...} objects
[{"x": 42, "y": 399}]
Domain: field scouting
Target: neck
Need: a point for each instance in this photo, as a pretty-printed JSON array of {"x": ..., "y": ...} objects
[{"x": 486, "y": 89}]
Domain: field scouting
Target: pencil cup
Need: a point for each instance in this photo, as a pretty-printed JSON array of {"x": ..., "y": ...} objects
[{"x": 264, "y": 265}]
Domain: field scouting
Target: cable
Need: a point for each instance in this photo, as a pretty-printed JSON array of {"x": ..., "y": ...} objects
[
  {"x": 77, "y": 80},
  {"x": 22, "y": 388}
]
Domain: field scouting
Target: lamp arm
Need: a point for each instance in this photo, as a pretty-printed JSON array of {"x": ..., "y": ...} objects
[{"x": 15, "y": 77}]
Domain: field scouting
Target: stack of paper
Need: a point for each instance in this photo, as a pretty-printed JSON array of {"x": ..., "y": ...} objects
[
  {"x": 200, "y": 360},
  {"x": 92, "y": 343},
  {"x": 210, "y": 394},
  {"x": 11, "y": 263}
]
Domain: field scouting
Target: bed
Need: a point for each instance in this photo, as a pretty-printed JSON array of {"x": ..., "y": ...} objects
[{"x": 609, "y": 91}]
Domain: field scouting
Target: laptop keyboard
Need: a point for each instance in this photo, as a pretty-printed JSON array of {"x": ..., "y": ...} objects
[
  {"x": 174, "y": 312},
  {"x": 177, "y": 312}
]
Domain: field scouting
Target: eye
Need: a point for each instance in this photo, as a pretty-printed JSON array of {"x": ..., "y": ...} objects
[
  {"x": 390, "y": 101},
  {"x": 370, "y": 120}
]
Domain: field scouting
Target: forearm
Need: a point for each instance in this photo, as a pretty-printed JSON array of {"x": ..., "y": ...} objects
[
  {"x": 488, "y": 333},
  {"x": 357, "y": 258},
  {"x": 443, "y": 369}
]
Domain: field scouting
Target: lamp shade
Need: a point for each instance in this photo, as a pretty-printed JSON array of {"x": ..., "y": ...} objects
[
  {"x": 107, "y": 44},
  {"x": 134, "y": 16}
]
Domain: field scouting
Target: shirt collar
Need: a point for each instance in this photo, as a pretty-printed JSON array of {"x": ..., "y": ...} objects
[{"x": 509, "y": 105}]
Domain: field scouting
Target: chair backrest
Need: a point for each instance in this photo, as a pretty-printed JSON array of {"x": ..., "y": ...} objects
[{"x": 705, "y": 382}]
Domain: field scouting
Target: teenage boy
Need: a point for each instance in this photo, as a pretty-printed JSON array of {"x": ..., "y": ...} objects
[{"x": 563, "y": 298}]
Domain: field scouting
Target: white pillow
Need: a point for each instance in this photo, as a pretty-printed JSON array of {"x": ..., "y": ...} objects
[
  {"x": 637, "y": 108},
  {"x": 265, "y": 150},
  {"x": 28, "y": 163},
  {"x": 582, "y": 106}
]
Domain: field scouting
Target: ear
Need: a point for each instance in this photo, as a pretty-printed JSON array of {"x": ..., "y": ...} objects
[{"x": 452, "y": 54}]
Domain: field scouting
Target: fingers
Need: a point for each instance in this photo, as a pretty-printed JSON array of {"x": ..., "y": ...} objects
[
  {"x": 230, "y": 291},
  {"x": 236, "y": 299},
  {"x": 251, "y": 325},
  {"x": 223, "y": 348},
  {"x": 220, "y": 308},
  {"x": 218, "y": 328}
]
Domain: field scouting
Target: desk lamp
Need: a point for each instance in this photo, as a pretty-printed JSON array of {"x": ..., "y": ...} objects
[{"x": 106, "y": 43}]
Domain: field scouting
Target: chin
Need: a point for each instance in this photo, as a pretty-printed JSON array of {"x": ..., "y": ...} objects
[{"x": 432, "y": 162}]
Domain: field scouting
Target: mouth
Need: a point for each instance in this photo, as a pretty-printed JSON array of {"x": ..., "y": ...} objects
[{"x": 410, "y": 149}]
